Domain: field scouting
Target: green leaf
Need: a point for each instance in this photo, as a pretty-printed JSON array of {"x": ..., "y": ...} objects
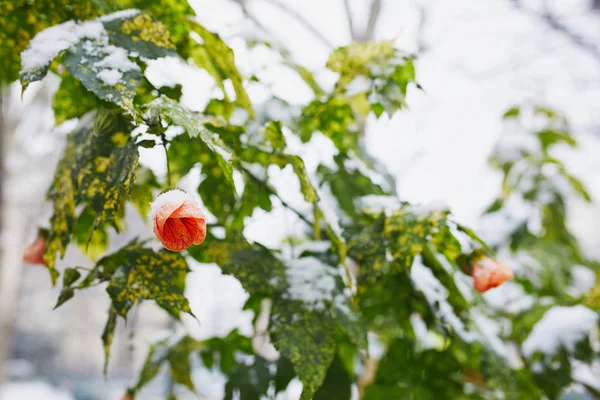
[
  {"x": 257, "y": 269},
  {"x": 385, "y": 70},
  {"x": 225, "y": 349},
  {"x": 404, "y": 373},
  {"x": 409, "y": 234},
  {"x": 184, "y": 153},
  {"x": 284, "y": 375},
  {"x": 347, "y": 184},
  {"x": 151, "y": 367},
  {"x": 108, "y": 336},
  {"x": 549, "y": 137},
  {"x": 193, "y": 124},
  {"x": 141, "y": 34},
  {"x": 82, "y": 60},
  {"x": 141, "y": 191},
  {"x": 471, "y": 233},
  {"x": 179, "y": 361},
  {"x": 91, "y": 238},
  {"x": 70, "y": 276},
  {"x": 275, "y": 135},
  {"x": 251, "y": 382},
  {"x": 337, "y": 383},
  {"x": 143, "y": 274},
  {"x": 306, "y": 338},
  {"x": 512, "y": 112},
  {"x": 354, "y": 59},
  {"x": 21, "y": 20},
  {"x": 334, "y": 118},
  {"x": 104, "y": 170},
  {"x": 73, "y": 100},
  {"x": 306, "y": 186},
  {"x": 217, "y": 58},
  {"x": 177, "y": 354},
  {"x": 65, "y": 295},
  {"x": 62, "y": 193}
]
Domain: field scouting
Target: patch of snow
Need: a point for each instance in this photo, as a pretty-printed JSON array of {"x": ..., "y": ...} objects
[
  {"x": 376, "y": 349},
  {"x": 110, "y": 76},
  {"x": 358, "y": 85},
  {"x": 175, "y": 196},
  {"x": 387, "y": 204},
  {"x": 356, "y": 164},
  {"x": 328, "y": 206},
  {"x": 495, "y": 228},
  {"x": 560, "y": 327},
  {"x": 490, "y": 330},
  {"x": 582, "y": 280},
  {"x": 311, "y": 282},
  {"x": 46, "y": 45},
  {"x": 123, "y": 14},
  {"x": 514, "y": 143},
  {"x": 436, "y": 295},
  {"x": 464, "y": 284},
  {"x": 426, "y": 338},
  {"x": 509, "y": 297},
  {"x": 116, "y": 58},
  {"x": 428, "y": 208},
  {"x": 314, "y": 246},
  {"x": 583, "y": 373}
]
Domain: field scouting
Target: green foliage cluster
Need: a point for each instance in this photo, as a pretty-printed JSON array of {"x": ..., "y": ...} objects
[{"x": 390, "y": 273}]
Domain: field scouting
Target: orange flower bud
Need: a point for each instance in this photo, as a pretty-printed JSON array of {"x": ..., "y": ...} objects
[
  {"x": 178, "y": 220},
  {"x": 34, "y": 253},
  {"x": 489, "y": 273}
]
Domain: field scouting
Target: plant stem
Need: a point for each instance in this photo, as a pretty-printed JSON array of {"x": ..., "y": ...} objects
[{"x": 164, "y": 143}]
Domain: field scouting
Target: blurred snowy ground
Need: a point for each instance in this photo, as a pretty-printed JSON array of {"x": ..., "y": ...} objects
[{"x": 478, "y": 57}]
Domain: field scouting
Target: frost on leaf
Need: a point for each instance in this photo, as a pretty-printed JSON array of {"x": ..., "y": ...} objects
[
  {"x": 48, "y": 44},
  {"x": 308, "y": 316},
  {"x": 98, "y": 53},
  {"x": 106, "y": 71}
]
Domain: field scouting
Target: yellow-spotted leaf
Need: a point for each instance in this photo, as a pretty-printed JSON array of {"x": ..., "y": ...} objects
[
  {"x": 143, "y": 274},
  {"x": 97, "y": 170}
]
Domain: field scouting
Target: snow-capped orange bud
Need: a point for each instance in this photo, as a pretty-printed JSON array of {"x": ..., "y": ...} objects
[
  {"x": 178, "y": 220},
  {"x": 489, "y": 273},
  {"x": 34, "y": 253}
]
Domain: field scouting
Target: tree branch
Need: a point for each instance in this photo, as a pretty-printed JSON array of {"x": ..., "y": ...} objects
[
  {"x": 305, "y": 23},
  {"x": 372, "y": 22},
  {"x": 575, "y": 38},
  {"x": 271, "y": 190}
]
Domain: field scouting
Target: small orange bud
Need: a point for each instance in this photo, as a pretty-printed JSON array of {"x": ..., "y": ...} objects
[
  {"x": 489, "y": 273},
  {"x": 34, "y": 253},
  {"x": 178, "y": 220}
]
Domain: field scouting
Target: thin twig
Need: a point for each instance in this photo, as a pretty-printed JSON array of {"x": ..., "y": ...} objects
[
  {"x": 307, "y": 25},
  {"x": 421, "y": 46},
  {"x": 350, "y": 21},
  {"x": 271, "y": 190}
]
